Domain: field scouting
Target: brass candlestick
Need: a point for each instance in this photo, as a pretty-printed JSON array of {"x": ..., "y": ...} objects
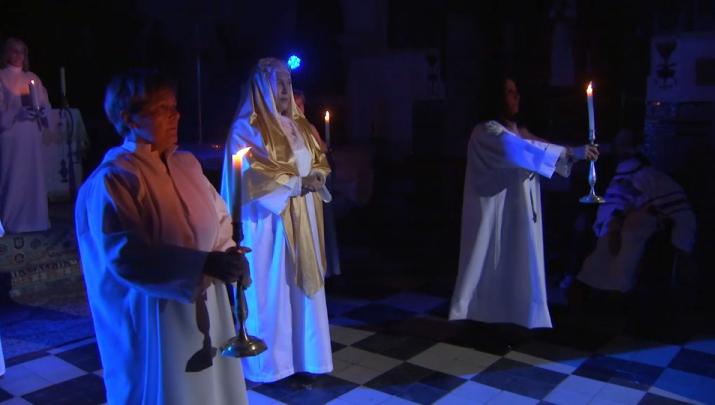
[{"x": 243, "y": 344}]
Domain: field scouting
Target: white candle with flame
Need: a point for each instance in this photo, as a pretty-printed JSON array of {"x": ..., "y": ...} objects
[
  {"x": 327, "y": 128},
  {"x": 591, "y": 120},
  {"x": 34, "y": 96},
  {"x": 237, "y": 160}
]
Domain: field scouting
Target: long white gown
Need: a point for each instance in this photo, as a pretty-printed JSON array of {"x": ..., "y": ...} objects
[
  {"x": 294, "y": 325},
  {"x": 143, "y": 228},
  {"x": 23, "y": 192},
  {"x": 501, "y": 264}
]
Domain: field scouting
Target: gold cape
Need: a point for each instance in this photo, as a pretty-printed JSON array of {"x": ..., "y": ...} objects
[{"x": 271, "y": 164}]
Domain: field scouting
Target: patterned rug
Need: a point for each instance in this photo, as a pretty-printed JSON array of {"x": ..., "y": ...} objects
[
  {"x": 40, "y": 263},
  {"x": 42, "y": 293}
]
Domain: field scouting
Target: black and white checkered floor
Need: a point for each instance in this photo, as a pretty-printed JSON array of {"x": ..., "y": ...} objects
[{"x": 398, "y": 349}]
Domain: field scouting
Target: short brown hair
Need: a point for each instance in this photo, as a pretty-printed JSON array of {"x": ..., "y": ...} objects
[{"x": 128, "y": 92}]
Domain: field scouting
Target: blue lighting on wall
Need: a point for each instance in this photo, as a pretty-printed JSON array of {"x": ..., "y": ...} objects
[{"x": 294, "y": 62}]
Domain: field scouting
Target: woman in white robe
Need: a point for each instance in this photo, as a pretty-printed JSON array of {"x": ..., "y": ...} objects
[
  {"x": 23, "y": 192},
  {"x": 282, "y": 191},
  {"x": 501, "y": 265},
  {"x": 155, "y": 242}
]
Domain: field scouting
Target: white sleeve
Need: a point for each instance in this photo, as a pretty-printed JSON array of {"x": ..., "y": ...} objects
[
  {"x": 276, "y": 200},
  {"x": 497, "y": 147},
  {"x": 564, "y": 164},
  {"x": 162, "y": 271}
]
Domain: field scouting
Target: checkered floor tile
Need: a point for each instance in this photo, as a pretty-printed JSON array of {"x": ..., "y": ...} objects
[{"x": 396, "y": 350}]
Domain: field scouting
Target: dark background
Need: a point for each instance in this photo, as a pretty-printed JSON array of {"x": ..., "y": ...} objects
[{"x": 411, "y": 219}]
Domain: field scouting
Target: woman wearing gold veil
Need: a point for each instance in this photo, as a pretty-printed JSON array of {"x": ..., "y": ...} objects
[{"x": 282, "y": 192}]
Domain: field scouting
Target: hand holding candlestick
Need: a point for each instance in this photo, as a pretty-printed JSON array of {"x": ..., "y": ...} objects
[
  {"x": 591, "y": 197},
  {"x": 243, "y": 344}
]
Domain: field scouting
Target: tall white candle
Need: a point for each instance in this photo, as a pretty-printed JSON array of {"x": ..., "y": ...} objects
[
  {"x": 237, "y": 160},
  {"x": 327, "y": 128},
  {"x": 34, "y": 96},
  {"x": 63, "y": 84},
  {"x": 591, "y": 120}
]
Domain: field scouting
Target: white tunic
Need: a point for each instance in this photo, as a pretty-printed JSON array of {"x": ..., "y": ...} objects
[
  {"x": 501, "y": 264},
  {"x": 144, "y": 227},
  {"x": 23, "y": 192},
  {"x": 294, "y": 326}
]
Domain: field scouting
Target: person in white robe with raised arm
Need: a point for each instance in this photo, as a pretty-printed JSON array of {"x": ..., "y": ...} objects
[
  {"x": 283, "y": 189},
  {"x": 501, "y": 264},
  {"x": 155, "y": 241},
  {"x": 23, "y": 192}
]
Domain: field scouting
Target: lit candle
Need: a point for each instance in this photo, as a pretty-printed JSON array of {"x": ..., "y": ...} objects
[
  {"x": 591, "y": 121},
  {"x": 591, "y": 197},
  {"x": 237, "y": 160},
  {"x": 63, "y": 85},
  {"x": 34, "y": 97},
  {"x": 327, "y": 128}
]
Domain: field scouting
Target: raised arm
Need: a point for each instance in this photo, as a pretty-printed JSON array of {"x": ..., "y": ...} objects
[{"x": 494, "y": 146}]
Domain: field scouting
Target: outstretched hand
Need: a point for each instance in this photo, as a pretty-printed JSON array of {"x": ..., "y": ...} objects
[{"x": 585, "y": 152}]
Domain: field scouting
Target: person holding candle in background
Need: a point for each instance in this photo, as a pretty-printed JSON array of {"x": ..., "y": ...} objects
[
  {"x": 501, "y": 265},
  {"x": 155, "y": 241},
  {"x": 282, "y": 192},
  {"x": 23, "y": 103},
  {"x": 332, "y": 252},
  {"x": 299, "y": 97}
]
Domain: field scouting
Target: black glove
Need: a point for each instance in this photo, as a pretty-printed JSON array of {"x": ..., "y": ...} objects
[{"x": 229, "y": 266}]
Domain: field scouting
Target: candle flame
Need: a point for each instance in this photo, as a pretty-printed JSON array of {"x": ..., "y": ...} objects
[
  {"x": 327, "y": 116},
  {"x": 32, "y": 81},
  {"x": 589, "y": 90},
  {"x": 237, "y": 157}
]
